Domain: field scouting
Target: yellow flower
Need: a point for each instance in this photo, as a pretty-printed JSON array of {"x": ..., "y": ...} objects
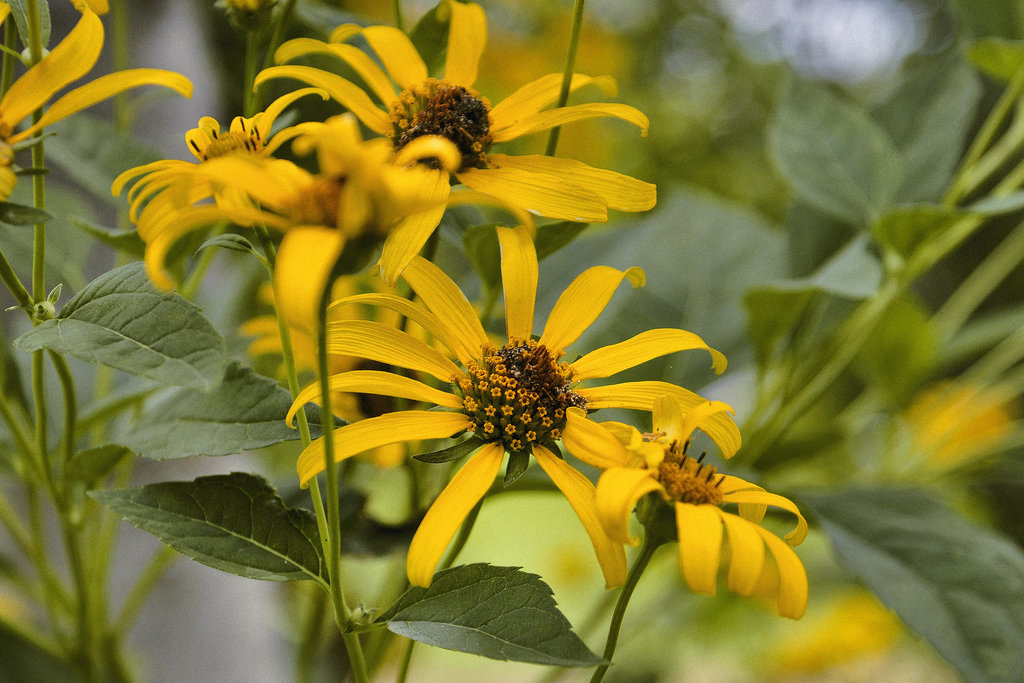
[
  {"x": 548, "y": 186},
  {"x": 70, "y": 60},
  {"x": 168, "y": 185},
  {"x": 519, "y": 399},
  {"x": 697, "y": 493}
]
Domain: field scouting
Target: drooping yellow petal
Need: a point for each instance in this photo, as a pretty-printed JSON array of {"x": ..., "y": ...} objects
[
  {"x": 618, "y": 490},
  {"x": 413, "y": 311},
  {"x": 591, "y": 442},
  {"x": 407, "y": 237},
  {"x": 359, "y": 437},
  {"x": 439, "y": 149},
  {"x": 746, "y": 554},
  {"x": 361, "y": 62},
  {"x": 642, "y": 395},
  {"x": 445, "y": 300},
  {"x": 71, "y": 59},
  {"x": 582, "y": 302},
  {"x": 697, "y": 416},
  {"x": 540, "y": 193},
  {"x": 103, "y": 88},
  {"x": 397, "y": 54},
  {"x": 5, "y": 10},
  {"x": 375, "y": 382},
  {"x": 618, "y": 191},
  {"x": 373, "y": 341},
  {"x": 700, "y": 545},
  {"x": 274, "y": 109},
  {"x": 448, "y": 512},
  {"x": 551, "y": 118},
  {"x": 519, "y": 276},
  {"x": 351, "y": 96},
  {"x": 473, "y": 198},
  {"x": 793, "y": 588},
  {"x": 609, "y": 360},
  {"x": 580, "y": 493},
  {"x": 544, "y": 91},
  {"x": 97, "y": 6},
  {"x": 467, "y": 35},
  {"x": 794, "y": 537},
  {"x": 302, "y": 272}
]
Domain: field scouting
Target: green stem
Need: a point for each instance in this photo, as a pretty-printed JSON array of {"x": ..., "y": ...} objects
[
  {"x": 249, "y": 74},
  {"x": 632, "y": 579},
  {"x": 86, "y": 632},
  {"x": 403, "y": 667},
  {"x": 399, "y": 22},
  {"x": 976, "y": 287},
  {"x": 195, "y": 277},
  {"x": 277, "y": 35},
  {"x": 309, "y": 639},
  {"x": 342, "y": 615},
  {"x": 15, "y": 424},
  {"x": 67, "y": 386},
  {"x": 7, "y": 66},
  {"x": 570, "y": 67},
  {"x": 120, "y": 55}
]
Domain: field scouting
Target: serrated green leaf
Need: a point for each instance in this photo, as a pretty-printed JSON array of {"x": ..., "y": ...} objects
[
  {"x": 459, "y": 450},
  {"x": 959, "y": 585},
  {"x": 833, "y": 155},
  {"x": 232, "y": 522},
  {"x": 88, "y": 467},
  {"x": 19, "y": 214},
  {"x": 496, "y": 612},
  {"x": 243, "y": 412},
  {"x": 121, "y": 320}
]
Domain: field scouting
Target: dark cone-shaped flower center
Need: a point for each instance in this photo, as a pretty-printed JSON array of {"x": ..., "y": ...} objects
[
  {"x": 451, "y": 111},
  {"x": 518, "y": 395},
  {"x": 688, "y": 480}
]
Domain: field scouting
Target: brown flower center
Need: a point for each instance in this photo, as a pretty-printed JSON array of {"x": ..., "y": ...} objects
[
  {"x": 436, "y": 107},
  {"x": 688, "y": 480},
  {"x": 518, "y": 395}
]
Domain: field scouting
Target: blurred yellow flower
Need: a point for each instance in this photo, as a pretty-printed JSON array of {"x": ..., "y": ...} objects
[
  {"x": 69, "y": 61},
  {"x": 659, "y": 463},
  {"x": 448, "y": 106},
  {"x": 519, "y": 399}
]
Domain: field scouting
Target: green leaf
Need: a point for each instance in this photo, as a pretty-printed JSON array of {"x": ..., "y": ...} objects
[
  {"x": 20, "y": 13},
  {"x": 959, "y": 585},
  {"x": 88, "y": 467},
  {"x": 833, "y": 154},
  {"x": 459, "y": 450},
  {"x": 25, "y": 660},
  {"x": 232, "y": 242},
  {"x": 901, "y": 351},
  {"x": 127, "y": 241},
  {"x": 322, "y": 17},
  {"x": 232, "y": 522},
  {"x": 430, "y": 36},
  {"x": 771, "y": 315},
  {"x": 484, "y": 254},
  {"x": 121, "y": 320},
  {"x": 554, "y": 236},
  {"x": 243, "y": 412},
  {"x": 497, "y": 612},
  {"x": 93, "y": 152},
  {"x": 516, "y": 467},
  {"x": 852, "y": 273},
  {"x": 998, "y": 57},
  {"x": 18, "y": 214},
  {"x": 904, "y": 229}
]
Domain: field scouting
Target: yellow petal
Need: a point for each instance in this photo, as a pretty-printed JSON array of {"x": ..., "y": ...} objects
[
  {"x": 793, "y": 588},
  {"x": 5, "y": 10},
  {"x": 580, "y": 493},
  {"x": 618, "y": 490},
  {"x": 582, "y": 302},
  {"x": 642, "y": 395},
  {"x": 445, "y": 300},
  {"x": 351, "y": 96},
  {"x": 449, "y": 510},
  {"x": 374, "y": 341},
  {"x": 439, "y": 149},
  {"x": 551, "y": 118},
  {"x": 71, "y": 59},
  {"x": 467, "y": 35},
  {"x": 360, "y": 62},
  {"x": 375, "y": 382},
  {"x": 539, "y": 193},
  {"x": 700, "y": 545},
  {"x": 591, "y": 442},
  {"x": 397, "y": 53},
  {"x": 97, "y": 6},
  {"x": 678, "y": 423},
  {"x": 544, "y": 91},
  {"x": 358, "y": 437},
  {"x": 302, "y": 272},
  {"x": 794, "y": 537},
  {"x": 470, "y": 197},
  {"x": 407, "y": 237},
  {"x": 638, "y": 349},
  {"x": 618, "y": 191},
  {"x": 414, "y": 312},
  {"x": 746, "y": 554},
  {"x": 274, "y": 109},
  {"x": 124, "y": 177},
  {"x": 103, "y": 88},
  {"x": 519, "y": 276}
]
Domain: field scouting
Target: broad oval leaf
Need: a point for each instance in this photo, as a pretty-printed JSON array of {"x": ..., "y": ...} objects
[
  {"x": 233, "y": 522},
  {"x": 496, "y": 612},
  {"x": 121, "y": 320},
  {"x": 244, "y": 411},
  {"x": 959, "y": 585}
]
